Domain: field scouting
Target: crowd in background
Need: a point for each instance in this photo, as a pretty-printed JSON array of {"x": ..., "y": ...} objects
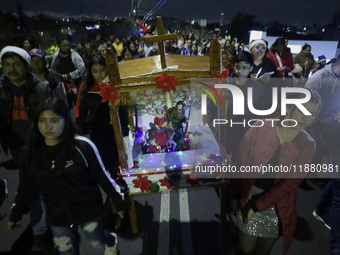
[{"x": 74, "y": 75}]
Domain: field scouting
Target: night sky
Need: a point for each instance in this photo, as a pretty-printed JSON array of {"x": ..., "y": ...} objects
[{"x": 284, "y": 11}]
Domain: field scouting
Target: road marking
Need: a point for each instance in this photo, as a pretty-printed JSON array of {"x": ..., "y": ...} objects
[
  {"x": 164, "y": 225},
  {"x": 185, "y": 222}
]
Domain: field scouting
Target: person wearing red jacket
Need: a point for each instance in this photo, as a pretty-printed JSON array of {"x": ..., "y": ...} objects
[
  {"x": 282, "y": 58},
  {"x": 147, "y": 30},
  {"x": 266, "y": 201}
]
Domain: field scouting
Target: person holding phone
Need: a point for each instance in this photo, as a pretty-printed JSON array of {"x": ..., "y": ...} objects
[{"x": 282, "y": 58}]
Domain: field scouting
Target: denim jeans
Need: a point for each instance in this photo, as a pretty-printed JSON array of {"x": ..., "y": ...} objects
[
  {"x": 66, "y": 239},
  {"x": 334, "y": 215},
  {"x": 326, "y": 198},
  {"x": 38, "y": 216}
]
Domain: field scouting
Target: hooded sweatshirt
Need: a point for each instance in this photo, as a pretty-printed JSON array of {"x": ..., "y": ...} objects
[{"x": 326, "y": 83}]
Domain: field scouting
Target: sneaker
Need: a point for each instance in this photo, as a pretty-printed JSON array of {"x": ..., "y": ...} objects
[
  {"x": 316, "y": 216},
  {"x": 112, "y": 250},
  {"x": 40, "y": 242}
]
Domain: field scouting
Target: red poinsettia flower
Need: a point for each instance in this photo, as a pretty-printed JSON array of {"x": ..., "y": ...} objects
[
  {"x": 192, "y": 179},
  {"x": 224, "y": 74},
  {"x": 142, "y": 183},
  {"x": 166, "y": 82},
  {"x": 109, "y": 93},
  {"x": 220, "y": 77},
  {"x": 164, "y": 182}
]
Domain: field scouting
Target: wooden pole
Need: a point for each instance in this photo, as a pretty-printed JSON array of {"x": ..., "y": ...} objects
[
  {"x": 161, "y": 44},
  {"x": 215, "y": 57},
  {"x": 114, "y": 78}
]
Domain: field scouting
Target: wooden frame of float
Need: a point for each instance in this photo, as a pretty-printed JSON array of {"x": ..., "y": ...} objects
[{"x": 140, "y": 74}]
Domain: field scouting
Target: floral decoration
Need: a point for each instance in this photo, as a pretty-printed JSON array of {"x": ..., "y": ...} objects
[
  {"x": 192, "y": 179},
  {"x": 164, "y": 182},
  {"x": 224, "y": 74},
  {"x": 166, "y": 82},
  {"x": 220, "y": 77},
  {"x": 109, "y": 93},
  {"x": 142, "y": 183}
]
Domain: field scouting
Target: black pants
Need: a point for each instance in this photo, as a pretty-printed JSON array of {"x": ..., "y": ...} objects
[{"x": 3, "y": 191}]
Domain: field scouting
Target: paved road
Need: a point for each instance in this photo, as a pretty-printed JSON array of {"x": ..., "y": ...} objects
[{"x": 181, "y": 222}]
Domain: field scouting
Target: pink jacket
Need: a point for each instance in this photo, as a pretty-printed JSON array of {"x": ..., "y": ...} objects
[{"x": 258, "y": 146}]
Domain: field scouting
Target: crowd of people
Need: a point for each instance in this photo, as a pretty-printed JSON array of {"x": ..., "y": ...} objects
[{"x": 60, "y": 171}]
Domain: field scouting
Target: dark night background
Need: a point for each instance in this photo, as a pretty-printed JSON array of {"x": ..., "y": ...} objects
[{"x": 286, "y": 12}]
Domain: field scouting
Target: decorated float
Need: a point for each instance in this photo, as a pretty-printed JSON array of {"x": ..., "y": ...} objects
[{"x": 169, "y": 136}]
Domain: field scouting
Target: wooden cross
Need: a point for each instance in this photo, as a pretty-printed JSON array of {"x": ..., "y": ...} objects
[{"x": 160, "y": 38}]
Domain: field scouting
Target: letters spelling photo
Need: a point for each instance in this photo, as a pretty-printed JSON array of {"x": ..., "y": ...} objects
[{"x": 238, "y": 105}]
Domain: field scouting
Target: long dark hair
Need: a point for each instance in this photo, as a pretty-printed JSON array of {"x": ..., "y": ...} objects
[
  {"x": 279, "y": 40},
  {"x": 35, "y": 138},
  {"x": 195, "y": 53},
  {"x": 89, "y": 82},
  {"x": 306, "y": 46},
  {"x": 244, "y": 56}
]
